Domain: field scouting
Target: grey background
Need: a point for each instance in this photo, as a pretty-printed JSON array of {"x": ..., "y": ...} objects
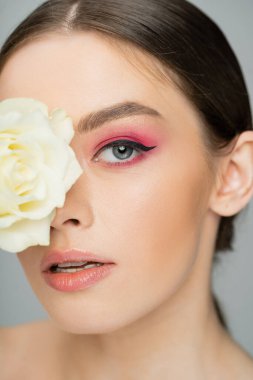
[{"x": 233, "y": 279}]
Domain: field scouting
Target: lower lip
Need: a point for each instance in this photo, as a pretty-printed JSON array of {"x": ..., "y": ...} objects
[{"x": 70, "y": 282}]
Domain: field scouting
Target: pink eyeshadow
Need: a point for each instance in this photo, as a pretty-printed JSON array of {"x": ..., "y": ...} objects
[{"x": 129, "y": 133}]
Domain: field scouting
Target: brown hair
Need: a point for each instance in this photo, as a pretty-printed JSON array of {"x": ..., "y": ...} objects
[{"x": 183, "y": 39}]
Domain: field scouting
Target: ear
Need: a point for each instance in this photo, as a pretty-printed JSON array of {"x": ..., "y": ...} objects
[{"x": 234, "y": 184}]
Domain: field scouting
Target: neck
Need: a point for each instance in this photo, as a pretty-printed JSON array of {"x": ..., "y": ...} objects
[
  {"x": 159, "y": 344},
  {"x": 181, "y": 337}
]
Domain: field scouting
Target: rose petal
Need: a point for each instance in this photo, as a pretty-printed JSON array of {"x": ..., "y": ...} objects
[
  {"x": 62, "y": 125},
  {"x": 26, "y": 233},
  {"x": 22, "y": 105},
  {"x": 73, "y": 171},
  {"x": 37, "y": 168}
]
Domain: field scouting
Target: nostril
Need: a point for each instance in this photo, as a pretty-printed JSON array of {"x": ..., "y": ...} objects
[
  {"x": 69, "y": 222},
  {"x": 75, "y": 222}
]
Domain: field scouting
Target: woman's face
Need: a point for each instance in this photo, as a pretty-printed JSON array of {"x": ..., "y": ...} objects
[{"x": 143, "y": 210}]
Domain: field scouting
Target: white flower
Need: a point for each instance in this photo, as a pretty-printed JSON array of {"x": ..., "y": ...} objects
[{"x": 37, "y": 168}]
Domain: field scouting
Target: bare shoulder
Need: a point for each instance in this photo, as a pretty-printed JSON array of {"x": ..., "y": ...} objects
[
  {"x": 25, "y": 344},
  {"x": 25, "y": 335}
]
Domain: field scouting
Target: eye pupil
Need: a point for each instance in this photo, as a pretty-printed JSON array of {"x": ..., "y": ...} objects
[{"x": 122, "y": 152}]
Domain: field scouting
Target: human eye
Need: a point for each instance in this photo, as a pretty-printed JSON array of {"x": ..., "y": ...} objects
[{"x": 124, "y": 151}]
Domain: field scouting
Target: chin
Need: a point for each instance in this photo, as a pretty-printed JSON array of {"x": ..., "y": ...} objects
[
  {"x": 78, "y": 317},
  {"x": 77, "y": 325}
]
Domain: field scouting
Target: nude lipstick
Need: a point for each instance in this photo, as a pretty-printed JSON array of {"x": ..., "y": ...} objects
[{"x": 73, "y": 270}]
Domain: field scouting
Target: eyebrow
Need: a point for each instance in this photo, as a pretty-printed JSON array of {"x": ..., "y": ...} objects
[{"x": 96, "y": 119}]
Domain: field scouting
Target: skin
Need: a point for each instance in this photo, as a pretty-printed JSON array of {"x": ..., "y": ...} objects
[{"x": 157, "y": 219}]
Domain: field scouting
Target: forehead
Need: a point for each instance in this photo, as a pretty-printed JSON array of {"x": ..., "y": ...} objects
[
  {"x": 84, "y": 72},
  {"x": 84, "y": 66}
]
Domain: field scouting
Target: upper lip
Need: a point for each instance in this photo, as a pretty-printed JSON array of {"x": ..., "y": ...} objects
[{"x": 56, "y": 257}]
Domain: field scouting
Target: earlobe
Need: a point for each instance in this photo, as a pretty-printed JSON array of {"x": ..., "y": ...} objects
[{"x": 234, "y": 185}]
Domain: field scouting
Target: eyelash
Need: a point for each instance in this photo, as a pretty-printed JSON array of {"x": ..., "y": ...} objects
[{"x": 128, "y": 144}]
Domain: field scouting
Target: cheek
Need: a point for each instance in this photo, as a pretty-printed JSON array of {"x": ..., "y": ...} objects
[
  {"x": 30, "y": 261},
  {"x": 147, "y": 218},
  {"x": 155, "y": 221}
]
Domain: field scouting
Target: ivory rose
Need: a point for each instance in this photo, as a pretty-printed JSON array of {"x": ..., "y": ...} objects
[{"x": 37, "y": 168}]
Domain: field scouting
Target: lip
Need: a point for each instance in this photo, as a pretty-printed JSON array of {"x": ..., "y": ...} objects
[
  {"x": 74, "y": 281},
  {"x": 70, "y": 255}
]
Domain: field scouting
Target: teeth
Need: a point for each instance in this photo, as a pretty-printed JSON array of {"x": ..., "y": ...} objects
[
  {"x": 69, "y": 270},
  {"x": 76, "y": 267},
  {"x": 72, "y": 264},
  {"x": 92, "y": 265}
]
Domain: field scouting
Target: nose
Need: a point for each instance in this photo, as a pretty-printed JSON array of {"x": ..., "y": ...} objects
[{"x": 76, "y": 211}]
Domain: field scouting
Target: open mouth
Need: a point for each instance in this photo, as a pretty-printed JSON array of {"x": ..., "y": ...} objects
[
  {"x": 74, "y": 270},
  {"x": 72, "y": 267}
]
